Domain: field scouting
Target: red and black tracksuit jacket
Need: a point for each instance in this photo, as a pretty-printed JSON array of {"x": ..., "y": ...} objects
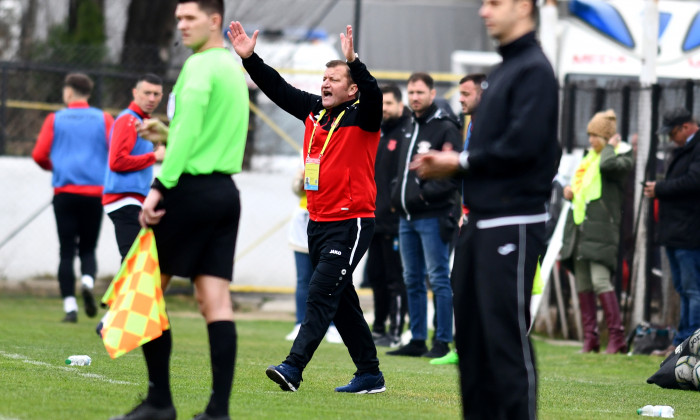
[{"x": 346, "y": 179}]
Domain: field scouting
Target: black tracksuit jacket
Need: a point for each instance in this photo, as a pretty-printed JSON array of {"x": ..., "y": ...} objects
[
  {"x": 679, "y": 198},
  {"x": 394, "y": 133},
  {"x": 512, "y": 161}
]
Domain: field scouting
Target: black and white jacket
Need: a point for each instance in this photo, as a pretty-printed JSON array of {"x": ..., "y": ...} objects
[{"x": 421, "y": 199}]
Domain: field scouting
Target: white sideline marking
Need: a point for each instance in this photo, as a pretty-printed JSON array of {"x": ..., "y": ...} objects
[
  {"x": 25, "y": 359},
  {"x": 7, "y": 418}
]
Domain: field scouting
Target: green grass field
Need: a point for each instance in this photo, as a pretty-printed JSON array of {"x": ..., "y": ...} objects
[{"x": 35, "y": 383}]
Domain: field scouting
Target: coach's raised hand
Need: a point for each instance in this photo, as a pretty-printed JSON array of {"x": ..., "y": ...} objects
[
  {"x": 346, "y": 43},
  {"x": 242, "y": 43}
]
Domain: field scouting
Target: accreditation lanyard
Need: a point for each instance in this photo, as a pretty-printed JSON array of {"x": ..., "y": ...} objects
[{"x": 312, "y": 166}]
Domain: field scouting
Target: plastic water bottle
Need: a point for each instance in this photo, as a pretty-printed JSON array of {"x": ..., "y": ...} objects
[
  {"x": 79, "y": 360},
  {"x": 656, "y": 411}
]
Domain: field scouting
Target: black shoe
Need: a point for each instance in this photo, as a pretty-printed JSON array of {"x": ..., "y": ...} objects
[
  {"x": 440, "y": 348},
  {"x": 205, "y": 416},
  {"x": 89, "y": 300},
  {"x": 377, "y": 335},
  {"x": 146, "y": 411},
  {"x": 414, "y": 348},
  {"x": 71, "y": 317},
  {"x": 387, "y": 340}
]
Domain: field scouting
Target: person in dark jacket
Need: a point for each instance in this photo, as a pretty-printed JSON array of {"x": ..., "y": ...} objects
[
  {"x": 469, "y": 97},
  {"x": 340, "y": 144},
  {"x": 429, "y": 213},
  {"x": 592, "y": 230},
  {"x": 507, "y": 175},
  {"x": 679, "y": 215},
  {"x": 383, "y": 267}
]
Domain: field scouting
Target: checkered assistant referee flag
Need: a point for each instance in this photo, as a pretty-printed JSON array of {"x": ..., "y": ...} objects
[{"x": 135, "y": 299}]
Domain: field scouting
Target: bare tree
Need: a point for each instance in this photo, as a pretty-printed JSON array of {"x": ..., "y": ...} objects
[
  {"x": 27, "y": 37},
  {"x": 148, "y": 36}
]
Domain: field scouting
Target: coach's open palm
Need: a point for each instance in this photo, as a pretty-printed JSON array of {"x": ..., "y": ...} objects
[
  {"x": 242, "y": 43},
  {"x": 347, "y": 45}
]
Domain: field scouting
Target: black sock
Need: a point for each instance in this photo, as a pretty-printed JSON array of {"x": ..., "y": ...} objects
[
  {"x": 157, "y": 354},
  {"x": 222, "y": 347}
]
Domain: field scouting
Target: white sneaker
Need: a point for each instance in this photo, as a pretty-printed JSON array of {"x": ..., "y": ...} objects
[
  {"x": 292, "y": 335},
  {"x": 333, "y": 336},
  {"x": 406, "y": 337}
]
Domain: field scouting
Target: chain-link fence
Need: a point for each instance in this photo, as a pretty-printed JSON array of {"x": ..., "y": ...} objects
[
  {"x": 29, "y": 91},
  {"x": 583, "y": 96}
]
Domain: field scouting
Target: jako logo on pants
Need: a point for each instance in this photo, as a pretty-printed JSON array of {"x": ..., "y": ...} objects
[
  {"x": 506, "y": 249},
  {"x": 335, "y": 251}
]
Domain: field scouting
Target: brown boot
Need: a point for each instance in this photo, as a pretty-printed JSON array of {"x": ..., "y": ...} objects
[
  {"x": 589, "y": 320},
  {"x": 616, "y": 332}
]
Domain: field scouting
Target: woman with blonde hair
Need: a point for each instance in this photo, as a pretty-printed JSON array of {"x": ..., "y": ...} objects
[{"x": 592, "y": 232}]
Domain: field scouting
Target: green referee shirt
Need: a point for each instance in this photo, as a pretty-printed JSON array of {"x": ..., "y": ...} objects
[{"x": 208, "y": 109}]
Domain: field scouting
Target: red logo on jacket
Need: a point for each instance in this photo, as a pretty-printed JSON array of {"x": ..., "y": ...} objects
[{"x": 391, "y": 146}]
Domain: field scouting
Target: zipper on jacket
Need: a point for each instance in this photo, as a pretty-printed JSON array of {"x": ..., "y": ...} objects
[{"x": 405, "y": 171}]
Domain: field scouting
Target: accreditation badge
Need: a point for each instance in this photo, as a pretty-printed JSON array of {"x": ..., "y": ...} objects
[
  {"x": 170, "y": 110},
  {"x": 312, "y": 168}
]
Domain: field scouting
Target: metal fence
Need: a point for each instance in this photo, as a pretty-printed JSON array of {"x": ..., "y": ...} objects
[
  {"x": 29, "y": 91},
  {"x": 581, "y": 97}
]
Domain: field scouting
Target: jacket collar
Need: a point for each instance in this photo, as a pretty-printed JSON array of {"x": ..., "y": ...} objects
[
  {"x": 689, "y": 145},
  {"x": 137, "y": 109},
  {"x": 339, "y": 108},
  {"x": 509, "y": 50},
  {"x": 388, "y": 125},
  {"x": 78, "y": 104},
  {"x": 428, "y": 114}
]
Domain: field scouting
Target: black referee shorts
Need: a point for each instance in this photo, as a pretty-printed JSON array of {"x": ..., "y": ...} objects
[{"x": 197, "y": 235}]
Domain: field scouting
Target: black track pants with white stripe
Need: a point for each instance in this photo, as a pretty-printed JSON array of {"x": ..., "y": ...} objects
[
  {"x": 492, "y": 280},
  {"x": 335, "y": 249}
]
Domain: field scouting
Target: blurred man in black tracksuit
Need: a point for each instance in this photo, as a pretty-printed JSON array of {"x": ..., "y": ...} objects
[
  {"x": 383, "y": 268},
  {"x": 507, "y": 176}
]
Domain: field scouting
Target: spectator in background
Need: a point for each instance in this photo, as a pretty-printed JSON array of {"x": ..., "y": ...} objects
[
  {"x": 383, "y": 266},
  {"x": 299, "y": 242},
  {"x": 679, "y": 216},
  {"x": 73, "y": 145},
  {"x": 592, "y": 232},
  {"x": 429, "y": 213},
  {"x": 469, "y": 97}
]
